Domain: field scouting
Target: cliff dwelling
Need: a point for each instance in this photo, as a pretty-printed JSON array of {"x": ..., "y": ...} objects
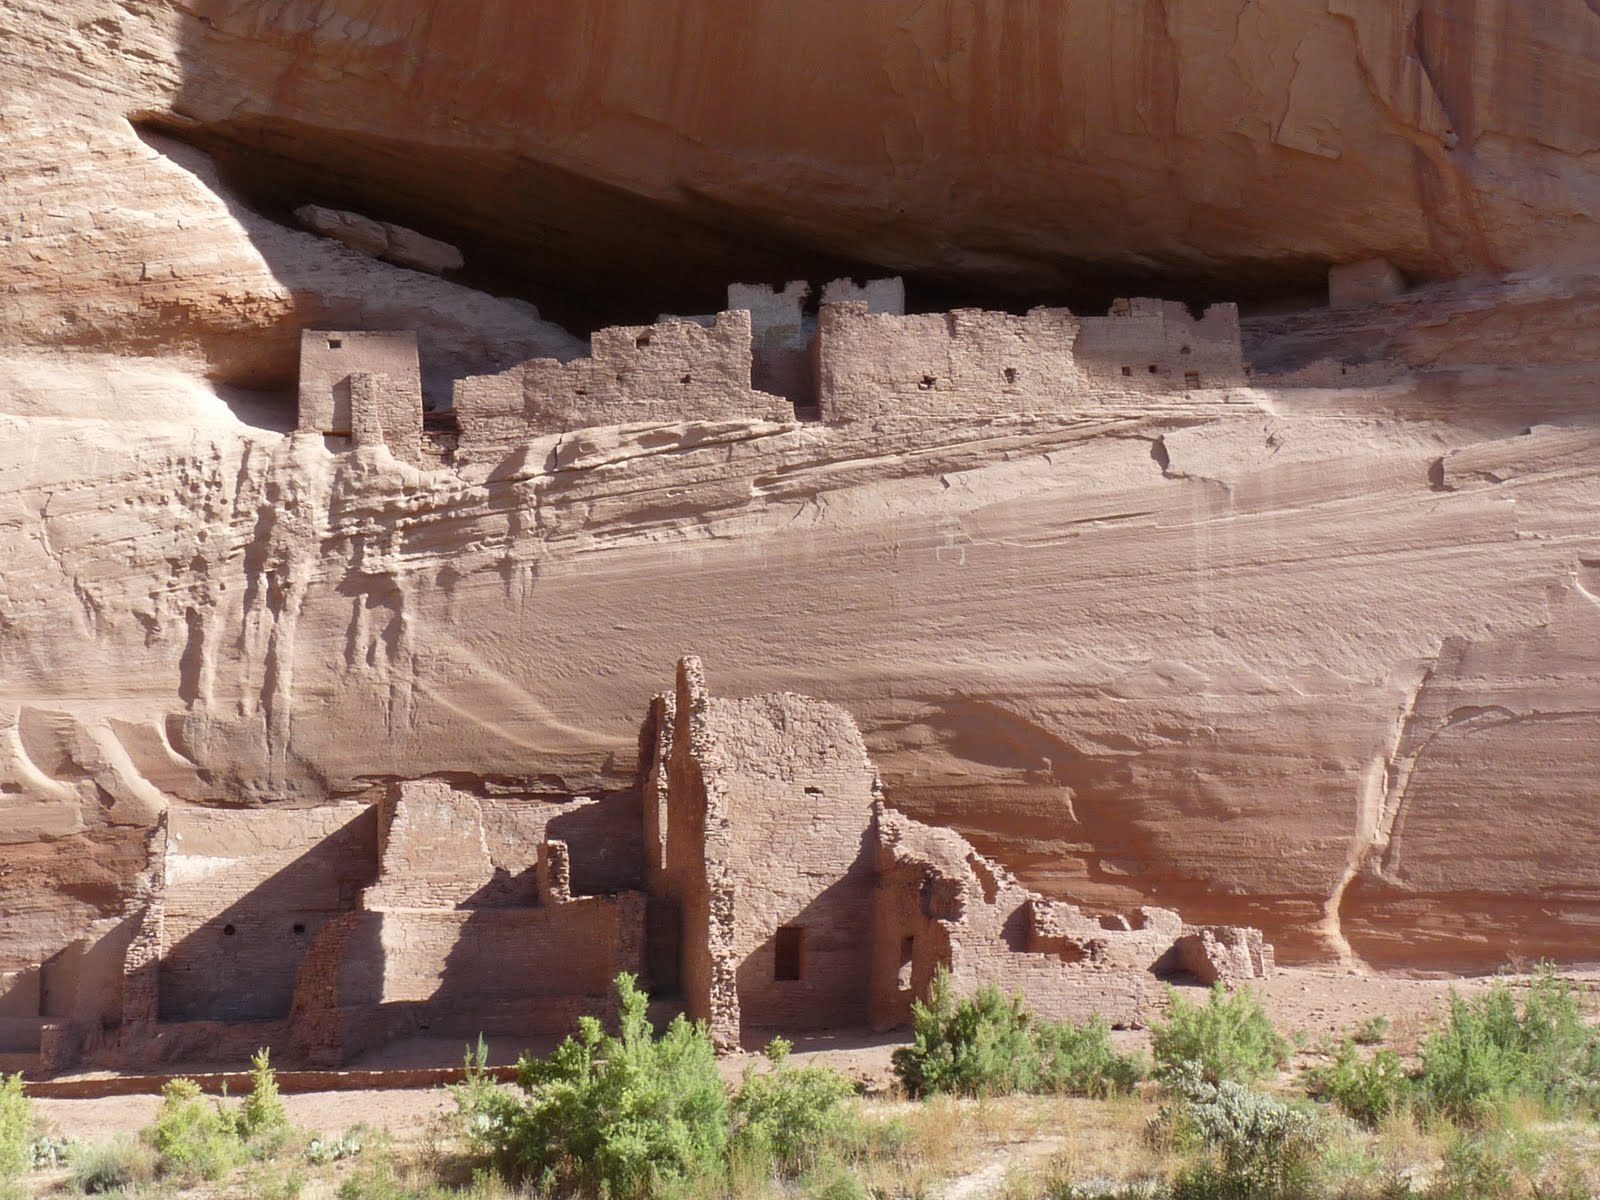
[{"x": 754, "y": 876}]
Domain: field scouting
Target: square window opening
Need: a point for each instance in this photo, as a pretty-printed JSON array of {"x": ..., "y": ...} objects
[{"x": 335, "y": 343}]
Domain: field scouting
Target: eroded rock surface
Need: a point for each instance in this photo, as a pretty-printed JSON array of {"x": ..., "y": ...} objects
[{"x": 1309, "y": 646}]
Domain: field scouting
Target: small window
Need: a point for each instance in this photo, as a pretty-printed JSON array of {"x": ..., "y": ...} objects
[
  {"x": 335, "y": 343},
  {"x": 642, "y": 340},
  {"x": 927, "y": 383},
  {"x": 299, "y": 926},
  {"x": 1011, "y": 374},
  {"x": 789, "y": 953},
  {"x": 228, "y": 931},
  {"x": 1152, "y": 368},
  {"x": 686, "y": 379},
  {"x": 1127, "y": 370},
  {"x": 1186, "y": 350},
  {"x": 908, "y": 950},
  {"x": 813, "y": 791},
  {"x": 1191, "y": 379}
]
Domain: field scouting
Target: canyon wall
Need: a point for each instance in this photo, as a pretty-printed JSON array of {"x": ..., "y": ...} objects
[{"x": 1315, "y": 651}]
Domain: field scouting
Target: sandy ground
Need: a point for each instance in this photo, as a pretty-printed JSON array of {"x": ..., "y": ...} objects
[{"x": 1316, "y": 1001}]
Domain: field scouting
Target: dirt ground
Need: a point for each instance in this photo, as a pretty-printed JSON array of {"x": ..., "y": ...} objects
[{"x": 1317, "y": 1001}]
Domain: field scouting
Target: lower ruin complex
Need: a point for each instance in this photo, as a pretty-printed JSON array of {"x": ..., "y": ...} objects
[{"x": 754, "y": 877}]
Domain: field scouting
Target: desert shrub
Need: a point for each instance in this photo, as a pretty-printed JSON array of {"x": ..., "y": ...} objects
[
  {"x": 1227, "y": 1038},
  {"x": 793, "y": 1117},
  {"x": 1366, "y": 1088},
  {"x": 987, "y": 1045},
  {"x": 16, "y": 1128},
  {"x": 262, "y": 1117},
  {"x": 1372, "y": 1031},
  {"x": 102, "y": 1167},
  {"x": 1256, "y": 1147},
  {"x": 192, "y": 1137},
  {"x": 1080, "y": 1059},
  {"x": 1490, "y": 1049},
  {"x": 620, "y": 1113}
]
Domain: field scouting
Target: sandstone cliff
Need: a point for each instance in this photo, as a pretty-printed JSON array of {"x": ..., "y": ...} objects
[{"x": 1324, "y": 661}]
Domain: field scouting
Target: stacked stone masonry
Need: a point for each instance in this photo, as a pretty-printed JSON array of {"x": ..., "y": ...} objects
[
  {"x": 754, "y": 876},
  {"x": 767, "y": 358}
]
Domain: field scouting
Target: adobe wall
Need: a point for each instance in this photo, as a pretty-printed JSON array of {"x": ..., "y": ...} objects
[
  {"x": 330, "y": 357},
  {"x": 768, "y": 827},
  {"x": 245, "y": 895},
  {"x": 971, "y": 362},
  {"x": 675, "y": 370},
  {"x": 937, "y": 365},
  {"x": 1157, "y": 346},
  {"x": 385, "y": 411}
]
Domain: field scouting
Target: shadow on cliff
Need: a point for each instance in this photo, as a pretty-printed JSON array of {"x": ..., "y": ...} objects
[{"x": 240, "y": 965}]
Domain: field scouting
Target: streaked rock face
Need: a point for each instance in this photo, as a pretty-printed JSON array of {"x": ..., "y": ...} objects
[{"x": 1324, "y": 661}]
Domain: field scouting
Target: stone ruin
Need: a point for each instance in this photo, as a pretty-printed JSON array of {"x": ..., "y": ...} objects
[
  {"x": 754, "y": 877},
  {"x": 860, "y": 357}
]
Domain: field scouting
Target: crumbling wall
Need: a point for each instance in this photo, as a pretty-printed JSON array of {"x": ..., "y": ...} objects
[
  {"x": 939, "y": 902},
  {"x": 387, "y": 412},
  {"x": 697, "y": 875},
  {"x": 245, "y": 894},
  {"x": 780, "y": 338},
  {"x": 328, "y": 360},
  {"x": 1157, "y": 346},
  {"x": 675, "y": 370},
  {"x": 879, "y": 295},
  {"x": 448, "y": 847}
]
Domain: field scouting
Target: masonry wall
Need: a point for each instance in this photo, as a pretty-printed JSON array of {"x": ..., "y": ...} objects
[
  {"x": 246, "y": 893},
  {"x": 675, "y": 370},
  {"x": 459, "y": 959},
  {"x": 697, "y": 875},
  {"x": 1157, "y": 346},
  {"x": 970, "y": 362},
  {"x": 935, "y": 365},
  {"x": 940, "y": 902},
  {"x": 444, "y": 847},
  {"x": 330, "y": 357}
]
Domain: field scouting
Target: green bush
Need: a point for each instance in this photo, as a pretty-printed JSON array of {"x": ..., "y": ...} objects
[
  {"x": 1489, "y": 1049},
  {"x": 1367, "y": 1089},
  {"x": 793, "y": 1117},
  {"x": 1258, "y": 1147},
  {"x": 16, "y": 1128},
  {"x": 262, "y": 1117},
  {"x": 102, "y": 1167},
  {"x": 193, "y": 1138},
  {"x": 621, "y": 1113},
  {"x": 987, "y": 1045},
  {"x": 1227, "y": 1038}
]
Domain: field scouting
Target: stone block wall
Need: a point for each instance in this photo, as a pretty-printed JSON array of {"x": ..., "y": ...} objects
[
  {"x": 675, "y": 370},
  {"x": 936, "y": 365},
  {"x": 445, "y": 847},
  {"x": 329, "y": 358},
  {"x": 245, "y": 894},
  {"x": 385, "y": 411},
  {"x": 970, "y": 362},
  {"x": 1158, "y": 346},
  {"x": 940, "y": 902}
]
